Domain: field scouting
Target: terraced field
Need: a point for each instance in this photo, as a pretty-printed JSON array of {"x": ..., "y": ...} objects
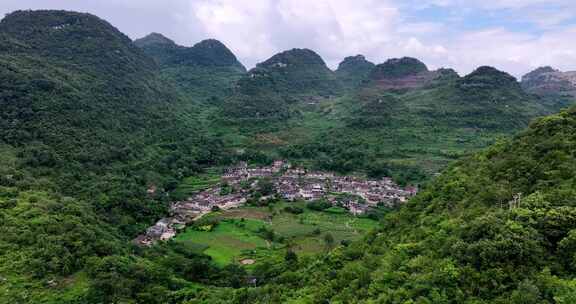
[{"x": 240, "y": 232}]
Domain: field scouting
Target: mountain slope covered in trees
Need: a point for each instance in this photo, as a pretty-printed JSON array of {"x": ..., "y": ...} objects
[
  {"x": 96, "y": 131},
  {"x": 403, "y": 120},
  {"x": 353, "y": 70},
  {"x": 276, "y": 87},
  {"x": 77, "y": 95},
  {"x": 86, "y": 127},
  {"x": 495, "y": 227},
  {"x": 208, "y": 68}
]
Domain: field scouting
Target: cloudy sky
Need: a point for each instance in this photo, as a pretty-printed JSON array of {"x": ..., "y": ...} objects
[{"x": 513, "y": 35}]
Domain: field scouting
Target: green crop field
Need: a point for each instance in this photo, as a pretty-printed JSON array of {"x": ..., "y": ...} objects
[
  {"x": 238, "y": 234},
  {"x": 228, "y": 240}
]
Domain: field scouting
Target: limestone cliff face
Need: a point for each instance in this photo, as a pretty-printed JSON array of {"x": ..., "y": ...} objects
[
  {"x": 554, "y": 87},
  {"x": 546, "y": 80}
]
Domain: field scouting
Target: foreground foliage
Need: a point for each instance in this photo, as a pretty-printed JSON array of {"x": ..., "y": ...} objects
[
  {"x": 95, "y": 137},
  {"x": 86, "y": 127},
  {"x": 497, "y": 227}
]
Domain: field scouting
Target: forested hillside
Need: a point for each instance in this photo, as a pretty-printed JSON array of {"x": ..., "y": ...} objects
[
  {"x": 206, "y": 70},
  {"x": 276, "y": 87},
  {"x": 79, "y": 100},
  {"x": 396, "y": 118},
  {"x": 86, "y": 127},
  {"x": 495, "y": 227},
  {"x": 403, "y": 120},
  {"x": 98, "y": 133},
  {"x": 353, "y": 70}
]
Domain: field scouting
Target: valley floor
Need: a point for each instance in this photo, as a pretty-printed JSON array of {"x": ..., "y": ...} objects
[
  {"x": 249, "y": 234},
  {"x": 241, "y": 185}
]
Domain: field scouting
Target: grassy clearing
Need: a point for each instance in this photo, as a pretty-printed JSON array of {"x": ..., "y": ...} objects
[
  {"x": 304, "y": 228},
  {"x": 237, "y": 236},
  {"x": 230, "y": 239}
]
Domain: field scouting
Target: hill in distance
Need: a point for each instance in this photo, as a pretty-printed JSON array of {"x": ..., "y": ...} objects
[
  {"x": 269, "y": 91},
  {"x": 398, "y": 68},
  {"x": 208, "y": 68},
  {"x": 553, "y": 86},
  {"x": 402, "y": 117},
  {"x": 353, "y": 70},
  {"x": 405, "y": 73},
  {"x": 405, "y": 119},
  {"x": 299, "y": 72},
  {"x": 209, "y": 52}
]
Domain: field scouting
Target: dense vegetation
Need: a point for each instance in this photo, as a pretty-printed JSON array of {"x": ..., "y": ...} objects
[
  {"x": 271, "y": 91},
  {"x": 206, "y": 70},
  {"x": 396, "y": 68},
  {"x": 496, "y": 227},
  {"x": 93, "y": 120},
  {"x": 86, "y": 127},
  {"x": 300, "y": 71},
  {"x": 409, "y": 133},
  {"x": 353, "y": 70},
  {"x": 90, "y": 121},
  {"x": 397, "y": 118}
]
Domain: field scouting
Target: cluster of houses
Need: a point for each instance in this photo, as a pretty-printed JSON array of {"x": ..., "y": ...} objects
[
  {"x": 190, "y": 210},
  {"x": 356, "y": 194},
  {"x": 297, "y": 184}
]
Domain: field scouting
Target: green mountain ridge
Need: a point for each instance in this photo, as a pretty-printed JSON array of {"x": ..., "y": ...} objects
[
  {"x": 209, "y": 52},
  {"x": 97, "y": 131},
  {"x": 270, "y": 89},
  {"x": 158, "y": 47},
  {"x": 207, "y": 69},
  {"x": 353, "y": 70},
  {"x": 46, "y": 32},
  {"x": 397, "y": 68},
  {"x": 556, "y": 88},
  {"x": 299, "y": 72},
  {"x": 407, "y": 131}
]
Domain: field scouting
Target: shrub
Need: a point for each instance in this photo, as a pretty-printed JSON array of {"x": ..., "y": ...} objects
[
  {"x": 294, "y": 210},
  {"x": 318, "y": 205}
]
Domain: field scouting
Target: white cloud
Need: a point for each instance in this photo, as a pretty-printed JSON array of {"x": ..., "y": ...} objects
[
  {"x": 494, "y": 4},
  {"x": 242, "y": 25},
  {"x": 420, "y": 28},
  {"x": 379, "y": 29},
  {"x": 515, "y": 53}
]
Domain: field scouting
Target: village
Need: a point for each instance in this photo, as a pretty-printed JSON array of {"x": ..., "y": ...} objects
[{"x": 239, "y": 184}]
